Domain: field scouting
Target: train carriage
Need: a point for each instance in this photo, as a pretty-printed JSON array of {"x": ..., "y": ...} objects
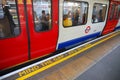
[
  {"x": 31, "y": 29},
  {"x": 86, "y": 27}
]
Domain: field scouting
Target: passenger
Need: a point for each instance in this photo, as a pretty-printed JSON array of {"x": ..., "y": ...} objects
[
  {"x": 48, "y": 22},
  {"x": 84, "y": 18},
  {"x": 76, "y": 17},
  {"x": 69, "y": 15},
  {"x": 100, "y": 19},
  {"x": 67, "y": 22},
  {"x": 43, "y": 20},
  {"x": 94, "y": 19},
  {"x": 9, "y": 16},
  {"x": 48, "y": 17},
  {"x": 38, "y": 25},
  {"x": 35, "y": 16}
]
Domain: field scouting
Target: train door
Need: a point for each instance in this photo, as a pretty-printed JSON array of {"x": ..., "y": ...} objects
[
  {"x": 43, "y": 26},
  {"x": 13, "y": 36},
  {"x": 112, "y": 19}
]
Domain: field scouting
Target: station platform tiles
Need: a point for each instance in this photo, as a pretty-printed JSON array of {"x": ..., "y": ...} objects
[
  {"x": 108, "y": 68},
  {"x": 75, "y": 64},
  {"x": 80, "y": 66}
]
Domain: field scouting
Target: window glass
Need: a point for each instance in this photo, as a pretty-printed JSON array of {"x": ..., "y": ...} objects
[
  {"x": 1, "y": 12},
  {"x": 9, "y": 25},
  {"x": 112, "y": 12},
  {"x": 117, "y": 12},
  {"x": 75, "y": 13},
  {"x": 99, "y": 12},
  {"x": 42, "y": 15}
]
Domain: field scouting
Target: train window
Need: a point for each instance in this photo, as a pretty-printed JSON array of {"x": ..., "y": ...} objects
[
  {"x": 112, "y": 12},
  {"x": 75, "y": 13},
  {"x": 117, "y": 12},
  {"x": 99, "y": 12},
  {"x": 42, "y": 15},
  {"x": 9, "y": 26}
]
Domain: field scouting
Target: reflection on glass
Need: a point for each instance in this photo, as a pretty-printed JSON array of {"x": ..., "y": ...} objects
[
  {"x": 99, "y": 12},
  {"x": 112, "y": 12},
  {"x": 42, "y": 14}
]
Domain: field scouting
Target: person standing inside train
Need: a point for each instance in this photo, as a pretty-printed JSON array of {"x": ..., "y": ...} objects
[
  {"x": 76, "y": 17},
  {"x": 43, "y": 20},
  {"x": 9, "y": 16},
  {"x": 66, "y": 21},
  {"x": 100, "y": 19}
]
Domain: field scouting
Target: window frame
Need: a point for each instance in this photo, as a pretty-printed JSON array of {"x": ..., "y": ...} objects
[{"x": 86, "y": 14}]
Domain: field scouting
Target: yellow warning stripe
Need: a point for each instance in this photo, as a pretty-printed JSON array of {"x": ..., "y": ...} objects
[{"x": 65, "y": 58}]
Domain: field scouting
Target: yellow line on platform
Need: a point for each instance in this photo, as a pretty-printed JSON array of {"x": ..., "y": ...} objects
[{"x": 65, "y": 58}]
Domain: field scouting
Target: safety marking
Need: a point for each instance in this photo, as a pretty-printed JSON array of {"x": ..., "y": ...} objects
[{"x": 25, "y": 74}]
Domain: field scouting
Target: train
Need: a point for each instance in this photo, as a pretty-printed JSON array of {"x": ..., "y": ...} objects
[{"x": 32, "y": 29}]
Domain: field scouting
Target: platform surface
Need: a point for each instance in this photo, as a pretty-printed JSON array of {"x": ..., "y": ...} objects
[
  {"x": 108, "y": 68},
  {"x": 80, "y": 64}
]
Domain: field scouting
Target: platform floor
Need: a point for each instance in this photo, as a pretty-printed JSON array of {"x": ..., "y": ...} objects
[
  {"x": 81, "y": 65},
  {"x": 108, "y": 68}
]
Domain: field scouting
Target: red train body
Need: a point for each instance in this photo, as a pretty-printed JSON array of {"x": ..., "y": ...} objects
[{"x": 113, "y": 17}]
